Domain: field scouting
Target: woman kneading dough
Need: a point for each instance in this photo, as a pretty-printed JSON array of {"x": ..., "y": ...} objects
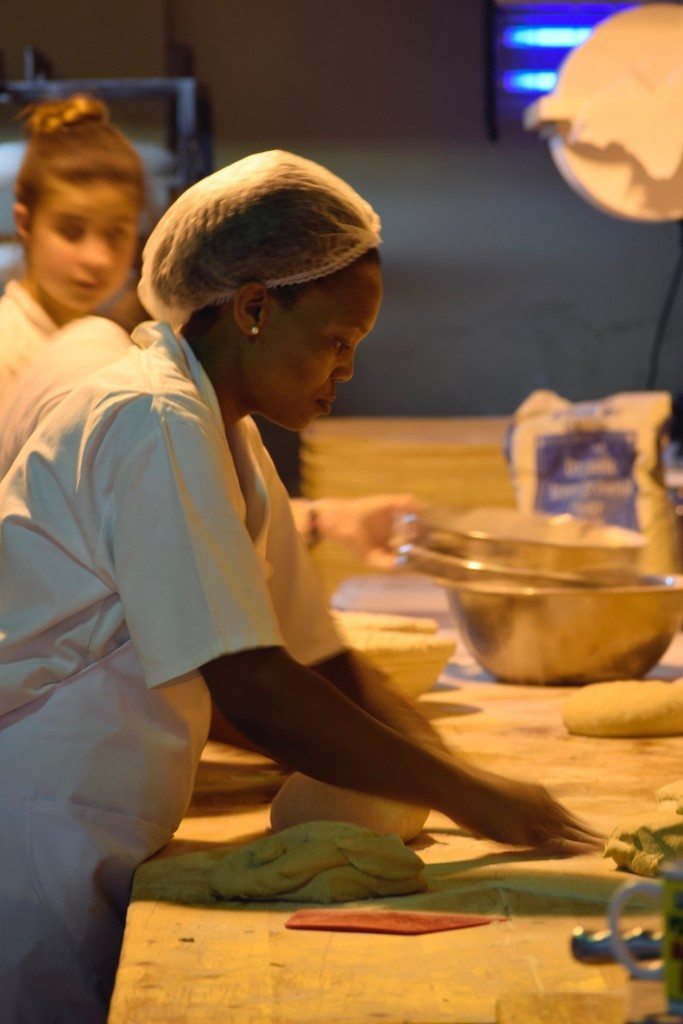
[
  {"x": 149, "y": 562},
  {"x": 80, "y": 194}
]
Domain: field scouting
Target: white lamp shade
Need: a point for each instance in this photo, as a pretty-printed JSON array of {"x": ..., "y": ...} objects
[{"x": 615, "y": 118}]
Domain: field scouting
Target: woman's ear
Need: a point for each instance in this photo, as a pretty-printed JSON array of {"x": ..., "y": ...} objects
[
  {"x": 250, "y": 305},
  {"x": 22, "y": 220}
]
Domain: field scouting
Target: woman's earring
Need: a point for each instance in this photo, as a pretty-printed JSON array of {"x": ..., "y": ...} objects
[{"x": 254, "y": 329}]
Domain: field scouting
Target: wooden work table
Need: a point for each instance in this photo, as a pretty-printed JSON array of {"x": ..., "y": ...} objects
[{"x": 203, "y": 965}]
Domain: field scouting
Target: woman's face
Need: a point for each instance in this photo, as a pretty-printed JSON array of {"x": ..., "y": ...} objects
[
  {"x": 291, "y": 368},
  {"x": 80, "y": 243}
]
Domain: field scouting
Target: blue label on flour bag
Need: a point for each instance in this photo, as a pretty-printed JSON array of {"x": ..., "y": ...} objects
[{"x": 588, "y": 474}]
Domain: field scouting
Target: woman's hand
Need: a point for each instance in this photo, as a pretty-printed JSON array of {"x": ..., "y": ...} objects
[
  {"x": 366, "y": 525},
  {"x": 520, "y": 814}
]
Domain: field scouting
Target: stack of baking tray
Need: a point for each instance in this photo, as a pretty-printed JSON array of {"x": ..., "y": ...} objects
[{"x": 455, "y": 461}]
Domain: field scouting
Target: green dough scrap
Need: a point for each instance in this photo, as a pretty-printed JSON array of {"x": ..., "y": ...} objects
[
  {"x": 672, "y": 792},
  {"x": 642, "y": 843}
]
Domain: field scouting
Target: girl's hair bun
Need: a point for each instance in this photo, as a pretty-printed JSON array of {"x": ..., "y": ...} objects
[
  {"x": 71, "y": 139},
  {"x": 55, "y": 115}
]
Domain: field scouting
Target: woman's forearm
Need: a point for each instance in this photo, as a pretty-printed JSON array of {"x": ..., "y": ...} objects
[
  {"x": 299, "y": 717},
  {"x": 360, "y": 680}
]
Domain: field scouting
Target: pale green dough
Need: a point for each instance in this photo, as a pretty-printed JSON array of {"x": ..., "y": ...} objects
[
  {"x": 642, "y": 842},
  {"x": 338, "y": 885},
  {"x": 672, "y": 793},
  {"x": 318, "y": 862}
]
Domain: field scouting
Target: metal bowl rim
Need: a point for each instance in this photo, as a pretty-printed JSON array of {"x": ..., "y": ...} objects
[
  {"x": 665, "y": 584},
  {"x": 636, "y": 540}
]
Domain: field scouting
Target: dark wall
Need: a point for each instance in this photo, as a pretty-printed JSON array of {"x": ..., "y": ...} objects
[
  {"x": 86, "y": 39},
  {"x": 499, "y": 279},
  {"x": 338, "y": 71},
  {"x": 83, "y": 38}
]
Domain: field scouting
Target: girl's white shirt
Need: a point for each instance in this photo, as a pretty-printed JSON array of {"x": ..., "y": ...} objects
[
  {"x": 128, "y": 513},
  {"x": 79, "y": 348},
  {"x": 25, "y": 331}
]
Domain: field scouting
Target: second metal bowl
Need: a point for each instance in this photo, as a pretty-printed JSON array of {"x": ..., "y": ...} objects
[{"x": 507, "y": 538}]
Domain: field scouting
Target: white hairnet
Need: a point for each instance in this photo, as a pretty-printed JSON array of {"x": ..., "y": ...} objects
[{"x": 272, "y": 217}]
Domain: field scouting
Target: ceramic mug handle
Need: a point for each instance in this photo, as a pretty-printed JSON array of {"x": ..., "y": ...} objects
[{"x": 618, "y": 946}]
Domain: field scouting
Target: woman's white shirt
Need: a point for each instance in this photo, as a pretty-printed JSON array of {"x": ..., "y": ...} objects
[{"x": 128, "y": 513}]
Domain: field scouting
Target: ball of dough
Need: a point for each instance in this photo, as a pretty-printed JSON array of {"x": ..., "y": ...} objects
[
  {"x": 647, "y": 707},
  {"x": 304, "y": 799}
]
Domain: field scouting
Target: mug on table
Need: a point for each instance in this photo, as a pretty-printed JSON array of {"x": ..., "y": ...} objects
[{"x": 668, "y": 891}]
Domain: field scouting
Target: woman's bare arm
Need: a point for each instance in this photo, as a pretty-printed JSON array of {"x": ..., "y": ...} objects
[{"x": 299, "y": 717}]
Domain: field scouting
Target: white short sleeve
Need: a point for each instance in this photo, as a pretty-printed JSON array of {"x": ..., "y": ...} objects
[
  {"x": 295, "y": 586},
  {"x": 191, "y": 584}
]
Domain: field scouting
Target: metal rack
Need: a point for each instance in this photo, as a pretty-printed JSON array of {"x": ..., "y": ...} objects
[{"x": 188, "y": 127}]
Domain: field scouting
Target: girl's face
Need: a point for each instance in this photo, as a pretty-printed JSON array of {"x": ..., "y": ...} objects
[
  {"x": 292, "y": 367},
  {"x": 80, "y": 243}
]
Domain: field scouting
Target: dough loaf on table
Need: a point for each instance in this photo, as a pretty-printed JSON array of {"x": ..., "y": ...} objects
[
  {"x": 318, "y": 862},
  {"x": 647, "y": 707},
  {"x": 302, "y": 799},
  {"x": 406, "y": 649}
]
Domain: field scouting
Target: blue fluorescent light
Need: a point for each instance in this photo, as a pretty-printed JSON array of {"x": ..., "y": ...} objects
[
  {"x": 529, "y": 81},
  {"x": 556, "y": 37}
]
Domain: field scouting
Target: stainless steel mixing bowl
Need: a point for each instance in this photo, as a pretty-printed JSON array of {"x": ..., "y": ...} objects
[
  {"x": 507, "y": 538},
  {"x": 567, "y": 635}
]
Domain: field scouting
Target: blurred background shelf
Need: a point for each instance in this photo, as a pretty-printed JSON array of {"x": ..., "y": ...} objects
[{"x": 456, "y": 461}]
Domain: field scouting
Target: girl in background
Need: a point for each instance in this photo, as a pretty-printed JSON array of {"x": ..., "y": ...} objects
[{"x": 79, "y": 195}]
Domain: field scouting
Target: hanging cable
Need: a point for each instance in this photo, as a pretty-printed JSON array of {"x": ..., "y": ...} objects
[
  {"x": 664, "y": 316},
  {"x": 490, "y": 102}
]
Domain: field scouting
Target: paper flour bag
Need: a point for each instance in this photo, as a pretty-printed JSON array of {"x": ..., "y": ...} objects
[{"x": 599, "y": 460}]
